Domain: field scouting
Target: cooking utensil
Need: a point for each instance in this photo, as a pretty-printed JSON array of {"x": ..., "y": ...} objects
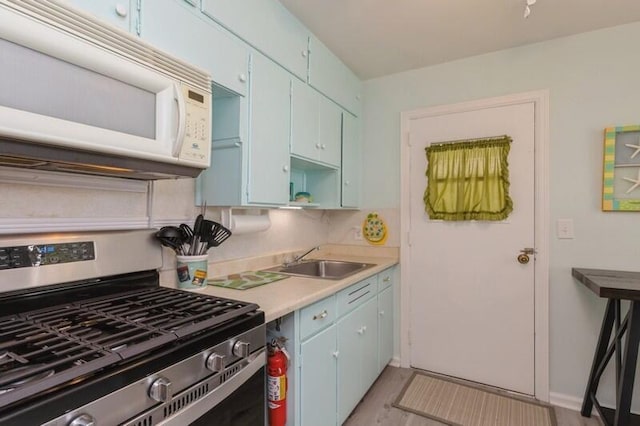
[
  {"x": 197, "y": 229},
  {"x": 216, "y": 237},
  {"x": 205, "y": 233},
  {"x": 187, "y": 236},
  {"x": 172, "y": 237},
  {"x": 172, "y": 243}
]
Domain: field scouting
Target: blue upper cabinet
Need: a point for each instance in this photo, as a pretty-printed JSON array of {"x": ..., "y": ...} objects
[
  {"x": 351, "y": 161},
  {"x": 316, "y": 125},
  {"x": 331, "y": 77},
  {"x": 269, "y": 128},
  {"x": 266, "y": 25},
  {"x": 179, "y": 28},
  {"x": 116, "y": 12}
]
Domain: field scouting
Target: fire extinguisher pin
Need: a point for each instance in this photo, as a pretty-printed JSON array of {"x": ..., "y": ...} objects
[{"x": 278, "y": 344}]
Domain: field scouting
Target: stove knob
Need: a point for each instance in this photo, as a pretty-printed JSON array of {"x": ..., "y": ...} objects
[
  {"x": 215, "y": 362},
  {"x": 241, "y": 349},
  {"x": 160, "y": 390},
  {"x": 83, "y": 420}
]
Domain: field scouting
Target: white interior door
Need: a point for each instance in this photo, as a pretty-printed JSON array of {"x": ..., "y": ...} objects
[{"x": 472, "y": 303}]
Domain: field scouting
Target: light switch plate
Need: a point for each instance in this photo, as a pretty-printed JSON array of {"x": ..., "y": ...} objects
[{"x": 564, "y": 228}]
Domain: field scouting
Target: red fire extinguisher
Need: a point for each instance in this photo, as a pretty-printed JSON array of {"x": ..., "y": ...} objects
[{"x": 277, "y": 383}]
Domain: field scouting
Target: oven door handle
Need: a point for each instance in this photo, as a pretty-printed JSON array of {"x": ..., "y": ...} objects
[{"x": 194, "y": 411}]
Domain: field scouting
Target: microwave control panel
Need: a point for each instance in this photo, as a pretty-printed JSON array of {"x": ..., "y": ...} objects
[
  {"x": 46, "y": 254},
  {"x": 197, "y": 136}
]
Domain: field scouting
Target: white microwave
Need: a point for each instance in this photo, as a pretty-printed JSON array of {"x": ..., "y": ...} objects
[{"x": 82, "y": 95}]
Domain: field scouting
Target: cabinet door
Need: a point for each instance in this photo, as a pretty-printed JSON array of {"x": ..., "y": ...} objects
[
  {"x": 268, "y": 132},
  {"x": 369, "y": 346},
  {"x": 330, "y": 132},
  {"x": 318, "y": 379},
  {"x": 349, "y": 362},
  {"x": 351, "y": 161},
  {"x": 115, "y": 12},
  {"x": 385, "y": 327},
  {"x": 268, "y": 26},
  {"x": 331, "y": 77},
  {"x": 196, "y": 40},
  {"x": 304, "y": 120}
]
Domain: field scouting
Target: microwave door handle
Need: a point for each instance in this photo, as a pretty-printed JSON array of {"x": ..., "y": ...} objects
[{"x": 182, "y": 119}]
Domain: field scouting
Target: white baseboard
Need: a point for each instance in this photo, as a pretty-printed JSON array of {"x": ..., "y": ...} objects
[
  {"x": 570, "y": 402},
  {"x": 565, "y": 401}
]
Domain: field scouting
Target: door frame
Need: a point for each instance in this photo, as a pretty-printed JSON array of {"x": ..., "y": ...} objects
[{"x": 540, "y": 98}]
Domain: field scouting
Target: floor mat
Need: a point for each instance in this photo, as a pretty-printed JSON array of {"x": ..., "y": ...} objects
[{"x": 454, "y": 403}]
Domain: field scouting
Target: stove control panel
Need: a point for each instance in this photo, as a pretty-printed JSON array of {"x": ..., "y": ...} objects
[{"x": 46, "y": 254}]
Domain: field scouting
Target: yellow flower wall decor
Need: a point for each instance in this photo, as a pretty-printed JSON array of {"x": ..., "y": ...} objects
[{"x": 374, "y": 229}]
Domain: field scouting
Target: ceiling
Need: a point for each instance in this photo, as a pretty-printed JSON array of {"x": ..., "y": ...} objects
[{"x": 380, "y": 37}]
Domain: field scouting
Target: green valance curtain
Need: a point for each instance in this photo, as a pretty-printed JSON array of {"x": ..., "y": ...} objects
[{"x": 468, "y": 180}]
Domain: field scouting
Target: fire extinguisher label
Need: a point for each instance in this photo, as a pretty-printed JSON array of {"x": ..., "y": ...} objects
[{"x": 276, "y": 387}]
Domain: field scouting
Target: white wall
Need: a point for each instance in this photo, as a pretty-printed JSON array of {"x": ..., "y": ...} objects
[{"x": 594, "y": 82}]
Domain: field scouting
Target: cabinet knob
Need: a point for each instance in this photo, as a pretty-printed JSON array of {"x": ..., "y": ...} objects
[
  {"x": 285, "y": 168},
  {"x": 362, "y": 330},
  {"x": 386, "y": 279},
  {"x": 304, "y": 53},
  {"x": 323, "y": 146},
  {"x": 346, "y": 183},
  {"x": 121, "y": 10},
  {"x": 318, "y": 146},
  {"x": 381, "y": 313},
  {"x": 357, "y": 97},
  {"x": 335, "y": 354},
  {"x": 242, "y": 78}
]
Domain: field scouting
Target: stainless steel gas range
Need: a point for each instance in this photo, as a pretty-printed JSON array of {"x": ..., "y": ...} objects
[{"x": 88, "y": 337}]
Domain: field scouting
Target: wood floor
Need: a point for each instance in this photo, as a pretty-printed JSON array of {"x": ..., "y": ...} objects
[{"x": 376, "y": 409}]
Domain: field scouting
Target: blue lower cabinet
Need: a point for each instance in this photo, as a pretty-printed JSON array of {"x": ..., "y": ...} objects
[
  {"x": 346, "y": 340},
  {"x": 358, "y": 356},
  {"x": 318, "y": 379}
]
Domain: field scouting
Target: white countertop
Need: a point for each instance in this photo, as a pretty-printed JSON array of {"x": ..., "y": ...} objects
[{"x": 282, "y": 297}]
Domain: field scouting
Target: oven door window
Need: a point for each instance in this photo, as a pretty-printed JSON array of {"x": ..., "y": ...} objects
[{"x": 245, "y": 406}]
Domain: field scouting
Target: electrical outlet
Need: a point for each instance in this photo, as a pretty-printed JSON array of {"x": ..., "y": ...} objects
[{"x": 357, "y": 233}]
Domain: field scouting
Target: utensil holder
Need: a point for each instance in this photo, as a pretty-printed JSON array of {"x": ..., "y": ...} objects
[{"x": 192, "y": 271}]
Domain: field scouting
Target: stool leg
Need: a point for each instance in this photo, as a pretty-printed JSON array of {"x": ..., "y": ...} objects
[
  {"x": 601, "y": 350},
  {"x": 628, "y": 368}
]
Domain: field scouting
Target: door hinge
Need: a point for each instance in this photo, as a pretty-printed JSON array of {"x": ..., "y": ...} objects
[
  {"x": 409, "y": 238},
  {"x": 138, "y": 18},
  {"x": 408, "y": 138}
]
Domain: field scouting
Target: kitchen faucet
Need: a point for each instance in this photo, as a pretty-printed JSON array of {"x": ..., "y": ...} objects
[{"x": 299, "y": 258}]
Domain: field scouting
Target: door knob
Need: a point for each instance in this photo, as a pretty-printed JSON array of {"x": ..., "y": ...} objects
[{"x": 523, "y": 257}]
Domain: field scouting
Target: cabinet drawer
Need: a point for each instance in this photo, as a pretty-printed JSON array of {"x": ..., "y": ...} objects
[
  {"x": 385, "y": 279},
  {"x": 314, "y": 318},
  {"x": 356, "y": 294}
]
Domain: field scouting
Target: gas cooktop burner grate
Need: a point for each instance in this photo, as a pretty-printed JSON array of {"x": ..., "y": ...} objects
[{"x": 44, "y": 348}]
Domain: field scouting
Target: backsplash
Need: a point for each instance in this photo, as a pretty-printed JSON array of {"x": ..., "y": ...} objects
[{"x": 171, "y": 202}]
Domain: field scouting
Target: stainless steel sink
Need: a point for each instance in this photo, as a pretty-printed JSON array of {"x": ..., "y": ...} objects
[{"x": 326, "y": 269}]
